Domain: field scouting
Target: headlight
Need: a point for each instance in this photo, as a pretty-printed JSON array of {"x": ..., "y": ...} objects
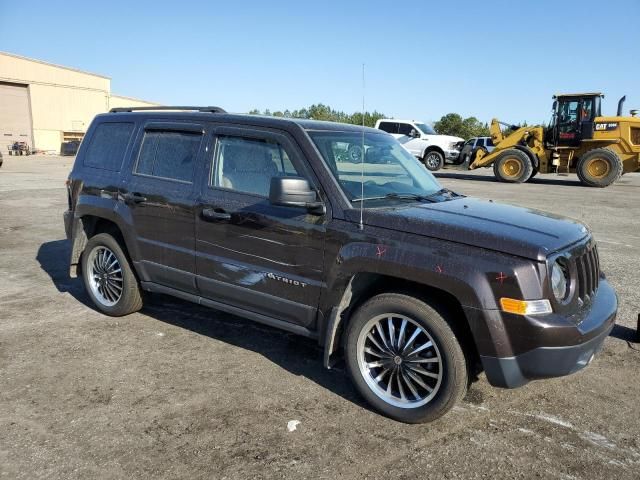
[{"x": 560, "y": 280}]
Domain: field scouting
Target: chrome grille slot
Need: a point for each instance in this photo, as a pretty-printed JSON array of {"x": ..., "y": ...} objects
[{"x": 588, "y": 269}]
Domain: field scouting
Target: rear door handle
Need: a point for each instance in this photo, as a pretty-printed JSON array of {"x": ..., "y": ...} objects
[
  {"x": 133, "y": 198},
  {"x": 215, "y": 214}
]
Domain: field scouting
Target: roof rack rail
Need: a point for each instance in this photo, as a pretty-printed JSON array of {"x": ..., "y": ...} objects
[{"x": 167, "y": 107}]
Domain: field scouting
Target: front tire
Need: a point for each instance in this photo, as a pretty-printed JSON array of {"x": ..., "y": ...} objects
[
  {"x": 433, "y": 160},
  {"x": 108, "y": 277},
  {"x": 599, "y": 168},
  {"x": 513, "y": 166},
  {"x": 404, "y": 358}
]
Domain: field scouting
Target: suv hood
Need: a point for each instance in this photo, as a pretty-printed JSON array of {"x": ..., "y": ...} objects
[{"x": 504, "y": 228}]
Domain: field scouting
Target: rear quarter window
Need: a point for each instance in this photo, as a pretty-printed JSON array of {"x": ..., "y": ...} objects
[{"x": 108, "y": 146}]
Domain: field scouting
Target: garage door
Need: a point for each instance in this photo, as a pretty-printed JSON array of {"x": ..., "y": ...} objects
[{"x": 15, "y": 116}]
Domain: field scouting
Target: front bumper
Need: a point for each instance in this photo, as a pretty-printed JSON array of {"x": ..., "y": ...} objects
[
  {"x": 451, "y": 154},
  {"x": 545, "y": 346}
]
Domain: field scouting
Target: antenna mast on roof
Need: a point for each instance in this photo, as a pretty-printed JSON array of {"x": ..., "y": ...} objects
[{"x": 361, "y": 225}]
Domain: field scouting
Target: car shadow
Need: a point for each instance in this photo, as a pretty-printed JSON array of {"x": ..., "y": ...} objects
[
  {"x": 53, "y": 258},
  {"x": 461, "y": 175},
  {"x": 298, "y": 355}
]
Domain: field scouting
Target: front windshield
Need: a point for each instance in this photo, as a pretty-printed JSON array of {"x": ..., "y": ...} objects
[
  {"x": 389, "y": 169},
  {"x": 426, "y": 129}
]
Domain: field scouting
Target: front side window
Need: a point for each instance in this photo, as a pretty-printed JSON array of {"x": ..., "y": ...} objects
[
  {"x": 405, "y": 129},
  {"x": 388, "y": 171},
  {"x": 248, "y": 165},
  {"x": 108, "y": 146},
  {"x": 170, "y": 155},
  {"x": 426, "y": 129}
]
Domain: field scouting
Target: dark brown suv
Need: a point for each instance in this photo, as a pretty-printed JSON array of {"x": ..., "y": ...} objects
[{"x": 418, "y": 287}]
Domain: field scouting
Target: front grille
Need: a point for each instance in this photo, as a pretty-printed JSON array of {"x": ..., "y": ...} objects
[{"x": 588, "y": 268}]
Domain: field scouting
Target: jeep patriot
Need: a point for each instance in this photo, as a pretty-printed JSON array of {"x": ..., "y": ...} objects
[{"x": 417, "y": 287}]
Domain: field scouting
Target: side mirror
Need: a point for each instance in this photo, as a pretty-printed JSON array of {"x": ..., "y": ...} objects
[
  {"x": 295, "y": 192},
  {"x": 414, "y": 133}
]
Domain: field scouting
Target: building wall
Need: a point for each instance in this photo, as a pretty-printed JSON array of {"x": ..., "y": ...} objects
[
  {"x": 118, "y": 101},
  {"x": 63, "y": 100}
]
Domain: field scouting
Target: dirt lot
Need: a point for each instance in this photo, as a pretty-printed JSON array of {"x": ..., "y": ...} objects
[{"x": 180, "y": 391}]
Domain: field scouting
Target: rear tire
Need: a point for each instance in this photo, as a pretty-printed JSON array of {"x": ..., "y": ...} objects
[
  {"x": 108, "y": 277},
  {"x": 433, "y": 160},
  {"x": 427, "y": 371},
  {"x": 513, "y": 166},
  {"x": 599, "y": 168}
]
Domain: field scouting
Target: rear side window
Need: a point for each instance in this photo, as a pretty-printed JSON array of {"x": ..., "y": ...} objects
[
  {"x": 480, "y": 142},
  {"x": 170, "y": 155},
  {"x": 108, "y": 146},
  {"x": 489, "y": 142}
]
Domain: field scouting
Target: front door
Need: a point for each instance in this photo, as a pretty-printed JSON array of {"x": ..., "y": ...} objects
[
  {"x": 572, "y": 113},
  {"x": 251, "y": 254},
  {"x": 411, "y": 143},
  {"x": 160, "y": 196}
]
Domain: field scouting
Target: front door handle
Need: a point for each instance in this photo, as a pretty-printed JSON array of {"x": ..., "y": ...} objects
[
  {"x": 133, "y": 198},
  {"x": 215, "y": 214}
]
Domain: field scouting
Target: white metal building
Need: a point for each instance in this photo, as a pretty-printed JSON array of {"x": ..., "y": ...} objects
[{"x": 45, "y": 104}]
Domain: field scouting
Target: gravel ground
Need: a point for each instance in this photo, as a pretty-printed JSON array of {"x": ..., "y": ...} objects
[{"x": 180, "y": 391}]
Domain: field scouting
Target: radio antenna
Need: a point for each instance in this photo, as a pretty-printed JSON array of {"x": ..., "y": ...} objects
[{"x": 361, "y": 226}]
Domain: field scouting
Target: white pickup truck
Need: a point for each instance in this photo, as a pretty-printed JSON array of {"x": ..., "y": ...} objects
[{"x": 423, "y": 141}]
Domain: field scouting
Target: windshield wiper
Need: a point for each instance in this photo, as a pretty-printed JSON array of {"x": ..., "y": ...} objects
[
  {"x": 445, "y": 192},
  {"x": 398, "y": 196}
]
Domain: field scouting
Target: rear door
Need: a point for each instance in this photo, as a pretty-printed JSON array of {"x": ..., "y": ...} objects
[
  {"x": 250, "y": 254},
  {"x": 160, "y": 196}
]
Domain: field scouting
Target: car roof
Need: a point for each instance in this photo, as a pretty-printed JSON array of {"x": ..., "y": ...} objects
[{"x": 256, "y": 120}]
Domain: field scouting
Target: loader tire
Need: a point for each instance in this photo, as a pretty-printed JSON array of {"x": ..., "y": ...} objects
[
  {"x": 599, "y": 167},
  {"x": 513, "y": 166}
]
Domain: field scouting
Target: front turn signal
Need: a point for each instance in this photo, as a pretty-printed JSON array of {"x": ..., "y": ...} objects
[{"x": 525, "y": 307}]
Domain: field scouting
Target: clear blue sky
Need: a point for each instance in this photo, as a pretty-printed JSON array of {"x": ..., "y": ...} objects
[{"x": 423, "y": 59}]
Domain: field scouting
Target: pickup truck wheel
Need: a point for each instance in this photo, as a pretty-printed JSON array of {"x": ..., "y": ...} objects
[
  {"x": 108, "y": 277},
  {"x": 404, "y": 358},
  {"x": 599, "y": 167},
  {"x": 513, "y": 166},
  {"x": 433, "y": 160}
]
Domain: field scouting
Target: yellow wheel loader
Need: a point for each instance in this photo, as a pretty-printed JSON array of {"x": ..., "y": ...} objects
[{"x": 578, "y": 139}]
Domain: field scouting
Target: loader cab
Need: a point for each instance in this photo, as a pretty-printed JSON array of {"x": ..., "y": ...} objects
[{"x": 573, "y": 117}]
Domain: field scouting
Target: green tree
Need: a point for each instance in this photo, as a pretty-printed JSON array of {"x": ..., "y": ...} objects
[
  {"x": 454, "y": 124},
  {"x": 320, "y": 111}
]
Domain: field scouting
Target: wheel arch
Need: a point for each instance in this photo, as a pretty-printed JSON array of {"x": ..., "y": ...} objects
[
  {"x": 84, "y": 228},
  {"x": 535, "y": 161},
  {"x": 431, "y": 148},
  {"x": 365, "y": 285}
]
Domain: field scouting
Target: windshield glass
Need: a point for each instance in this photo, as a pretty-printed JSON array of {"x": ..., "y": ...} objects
[
  {"x": 389, "y": 169},
  {"x": 426, "y": 129}
]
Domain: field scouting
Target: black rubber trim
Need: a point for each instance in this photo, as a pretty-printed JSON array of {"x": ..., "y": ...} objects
[{"x": 272, "y": 322}]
